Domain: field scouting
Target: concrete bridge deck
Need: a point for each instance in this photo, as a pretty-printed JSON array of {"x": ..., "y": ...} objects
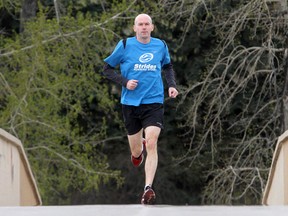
[{"x": 135, "y": 210}]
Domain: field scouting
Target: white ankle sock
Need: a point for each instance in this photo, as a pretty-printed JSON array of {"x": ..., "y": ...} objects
[{"x": 147, "y": 186}]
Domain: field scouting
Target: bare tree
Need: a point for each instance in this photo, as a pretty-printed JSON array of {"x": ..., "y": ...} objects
[{"x": 233, "y": 114}]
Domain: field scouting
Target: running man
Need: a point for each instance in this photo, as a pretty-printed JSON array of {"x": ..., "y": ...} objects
[{"x": 142, "y": 59}]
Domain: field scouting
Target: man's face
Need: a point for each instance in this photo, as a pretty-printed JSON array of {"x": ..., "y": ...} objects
[{"x": 143, "y": 27}]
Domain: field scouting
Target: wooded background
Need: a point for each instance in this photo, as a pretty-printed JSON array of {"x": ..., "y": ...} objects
[{"x": 230, "y": 58}]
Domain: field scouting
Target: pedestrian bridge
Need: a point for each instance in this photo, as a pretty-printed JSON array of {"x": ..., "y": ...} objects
[{"x": 19, "y": 194}]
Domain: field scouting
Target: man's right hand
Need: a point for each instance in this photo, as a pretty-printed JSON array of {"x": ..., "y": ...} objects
[{"x": 132, "y": 84}]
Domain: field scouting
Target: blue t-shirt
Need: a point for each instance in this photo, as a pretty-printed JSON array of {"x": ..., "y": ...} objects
[{"x": 142, "y": 62}]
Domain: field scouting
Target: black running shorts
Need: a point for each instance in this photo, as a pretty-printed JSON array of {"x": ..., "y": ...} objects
[{"x": 142, "y": 116}]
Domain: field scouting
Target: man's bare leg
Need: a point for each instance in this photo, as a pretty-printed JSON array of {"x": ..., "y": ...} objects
[{"x": 151, "y": 135}]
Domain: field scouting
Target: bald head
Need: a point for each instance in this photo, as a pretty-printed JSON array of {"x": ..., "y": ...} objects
[
  {"x": 141, "y": 16},
  {"x": 143, "y": 27}
]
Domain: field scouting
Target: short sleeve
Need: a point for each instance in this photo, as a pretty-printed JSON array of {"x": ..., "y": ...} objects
[{"x": 116, "y": 56}]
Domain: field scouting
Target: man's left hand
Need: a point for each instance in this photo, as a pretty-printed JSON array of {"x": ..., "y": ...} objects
[{"x": 172, "y": 92}]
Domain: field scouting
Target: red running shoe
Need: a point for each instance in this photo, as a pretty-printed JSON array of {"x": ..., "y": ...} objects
[
  {"x": 148, "y": 197},
  {"x": 138, "y": 161}
]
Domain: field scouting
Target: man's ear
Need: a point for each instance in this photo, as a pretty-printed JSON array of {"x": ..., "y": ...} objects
[{"x": 134, "y": 28}]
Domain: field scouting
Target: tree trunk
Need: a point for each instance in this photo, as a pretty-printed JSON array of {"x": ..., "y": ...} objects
[{"x": 28, "y": 11}]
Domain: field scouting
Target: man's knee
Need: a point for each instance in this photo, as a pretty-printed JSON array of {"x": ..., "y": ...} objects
[{"x": 151, "y": 144}]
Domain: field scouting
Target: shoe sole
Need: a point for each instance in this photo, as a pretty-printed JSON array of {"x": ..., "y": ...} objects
[{"x": 148, "y": 197}]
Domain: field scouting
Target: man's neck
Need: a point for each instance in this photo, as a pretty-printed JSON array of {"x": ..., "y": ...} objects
[{"x": 144, "y": 40}]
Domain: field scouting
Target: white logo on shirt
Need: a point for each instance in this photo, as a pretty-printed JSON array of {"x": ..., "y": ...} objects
[
  {"x": 144, "y": 67},
  {"x": 146, "y": 57}
]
